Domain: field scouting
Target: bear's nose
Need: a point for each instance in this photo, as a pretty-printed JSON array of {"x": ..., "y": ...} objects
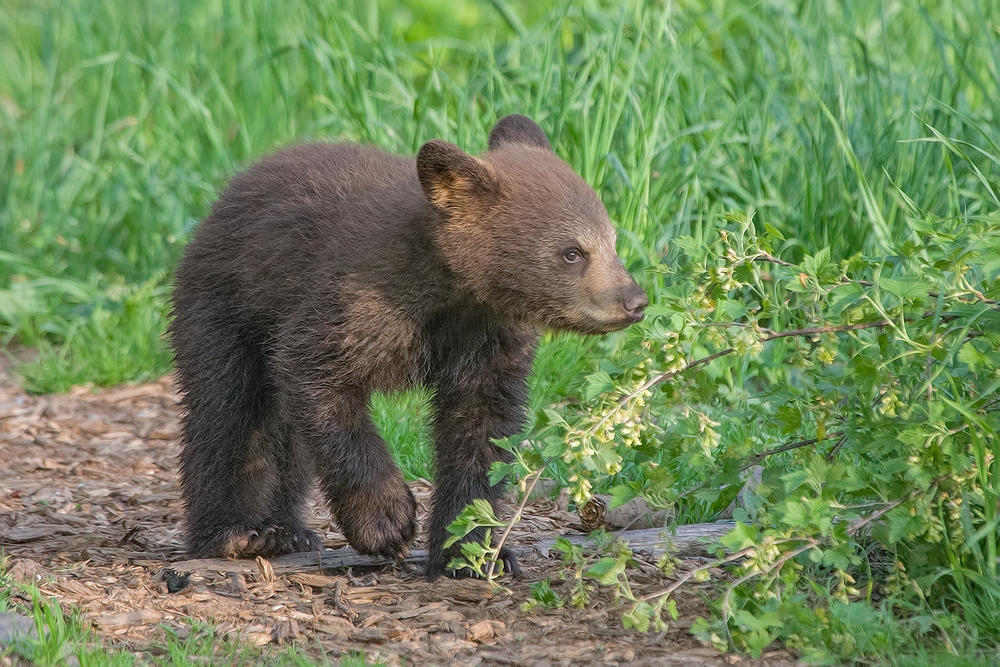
[{"x": 635, "y": 304}]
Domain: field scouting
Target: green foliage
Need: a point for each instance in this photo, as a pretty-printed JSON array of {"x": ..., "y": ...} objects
[
  {"x": 866, "y": 391},
  {"x": 605, "y": 565},
  {"x": 542, "y": 596},
  {"x": 480, "y": 556}
]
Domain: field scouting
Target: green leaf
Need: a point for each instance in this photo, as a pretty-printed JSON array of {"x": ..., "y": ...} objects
[
  {"x": 621, "y": 494},
  {"x": 607, "y": 570},
  {"x": 795, "y": 479},
  {"x": 789, "y": 417},
  {"x": 907, "y": 288},
  {"x": 974, "y": 358},
  {"x": 640, "y": 616},
  {"x": 541, "y": 594},
  {"x": 773, "y": 231},
  {"x": 742, "y": 536},
  {"x": 901, "y": 524},
  {"x": 598, "y": 384},
  {"x": 554, "y": 417}
]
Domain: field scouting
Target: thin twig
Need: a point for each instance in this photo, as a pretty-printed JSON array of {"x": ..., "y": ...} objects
[
  {"x": 775, "y": 566},
  {"x": 893, "y": 505},
  {"x": 832, "y": 454},
  {"x": 770, "y": 258},
  {"x": 517, "y": 517},
  {"x": 339, "y": 604},
  {"x": 690, "y": 573},
  {"x": 756, "y": 458}
]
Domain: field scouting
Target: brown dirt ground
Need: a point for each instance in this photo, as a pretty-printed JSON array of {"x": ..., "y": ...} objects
[{"x": 89, "y": 510}]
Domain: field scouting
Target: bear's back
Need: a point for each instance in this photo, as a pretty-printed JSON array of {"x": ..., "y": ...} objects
[
  {"x": 340, "y": 195},
  {"x": 300, "y": 218}
]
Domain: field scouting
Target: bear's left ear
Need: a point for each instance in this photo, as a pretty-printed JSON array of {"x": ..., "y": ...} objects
[
  {"x": 517, "y": 129},
  {"x": 452, "y": 179}
]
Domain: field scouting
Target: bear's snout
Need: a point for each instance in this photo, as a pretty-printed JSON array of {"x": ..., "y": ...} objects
[{"x": 634, "y": 302}]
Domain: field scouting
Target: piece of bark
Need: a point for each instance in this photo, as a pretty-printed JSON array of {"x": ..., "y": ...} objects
[
  {"x": 42, "y": 531},
  {"x": 264, "y": 570},
  {"x": 129, "y": 619},
  {"x": 237, "y": 582},
  {"x": 463, "y": 590},
  {"x": 313, "y": 580},
  {"x": 597, "y": 513}
]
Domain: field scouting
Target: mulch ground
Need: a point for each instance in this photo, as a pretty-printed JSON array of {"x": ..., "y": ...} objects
[{"x": 90, "y": 511}]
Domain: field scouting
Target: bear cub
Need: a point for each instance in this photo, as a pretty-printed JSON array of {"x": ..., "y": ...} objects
[{"x": 328, "y": 271}]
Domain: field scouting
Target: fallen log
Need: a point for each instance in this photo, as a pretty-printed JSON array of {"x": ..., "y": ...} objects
[
  {"x": 683, "y": 541},
  {"x": 315, "y": 561}
]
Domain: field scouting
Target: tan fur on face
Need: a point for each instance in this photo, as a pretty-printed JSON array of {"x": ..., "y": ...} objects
[
  {"x": 456, "y": 193},
  {"x": 540, "y": 209}
]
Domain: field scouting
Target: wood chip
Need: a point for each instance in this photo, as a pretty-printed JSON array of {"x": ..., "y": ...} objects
[
  {"x": 129, "y": 619},
  {"x": 31, "y": 533},
  {"x": 257, "y": 635},
  {"x": 434, "y": 607},
  {"x": 480, "y": 632},
  {"x": 265, "y": 569},
  {"x": 334, "y": 625},
  {"x": 465, "y": 590},
  {"x": 313, "y": 580}
]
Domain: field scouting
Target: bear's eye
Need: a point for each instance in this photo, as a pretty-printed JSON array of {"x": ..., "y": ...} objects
[{"x": 573, "y": 255}]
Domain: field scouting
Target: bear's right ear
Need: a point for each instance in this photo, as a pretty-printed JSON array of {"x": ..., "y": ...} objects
[
  {"x": 518, "y": 129},
  {"x": 452, "y": 179}
]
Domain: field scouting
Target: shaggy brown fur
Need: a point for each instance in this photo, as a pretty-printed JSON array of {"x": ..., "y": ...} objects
[{"x": 328, "y": 271}]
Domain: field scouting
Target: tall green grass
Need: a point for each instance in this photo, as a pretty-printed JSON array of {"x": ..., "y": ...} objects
[{"x": 119, "y": 124}]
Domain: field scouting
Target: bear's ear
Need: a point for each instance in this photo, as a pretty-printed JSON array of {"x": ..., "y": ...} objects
[
  {"x": 517, "y": 129},
  {"x": 452, "y": 179}
]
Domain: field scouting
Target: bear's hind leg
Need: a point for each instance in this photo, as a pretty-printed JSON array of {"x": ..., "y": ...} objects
[
  {"x": 294, "y": 481},
  {"x": 231, "y": 476}
]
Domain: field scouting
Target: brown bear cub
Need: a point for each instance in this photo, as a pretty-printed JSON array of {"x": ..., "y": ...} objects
[{"x": 328, "y": 271}]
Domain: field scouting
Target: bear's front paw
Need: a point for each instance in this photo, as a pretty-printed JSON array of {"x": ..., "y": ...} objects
[
  {"x": 437, "y": 564},
  {"x": 240, "y": 542},
  {"x": 383, "y": 525}
]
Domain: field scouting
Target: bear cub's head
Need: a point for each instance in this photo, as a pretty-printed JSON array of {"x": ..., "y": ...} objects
[{"x": 528, "y": 236}]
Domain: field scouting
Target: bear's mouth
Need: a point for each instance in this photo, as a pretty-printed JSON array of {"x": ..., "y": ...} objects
[{"x": 589, "y": 324}]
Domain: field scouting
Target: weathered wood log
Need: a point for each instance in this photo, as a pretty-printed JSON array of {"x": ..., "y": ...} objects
[
  {"x": 314, "y": 561},
  {"x": 686, "y": 541}
]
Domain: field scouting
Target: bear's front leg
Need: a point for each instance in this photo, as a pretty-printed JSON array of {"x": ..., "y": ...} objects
[
  {"x": 365, "y": 488},
  {"x": 472, "y": 407}
]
